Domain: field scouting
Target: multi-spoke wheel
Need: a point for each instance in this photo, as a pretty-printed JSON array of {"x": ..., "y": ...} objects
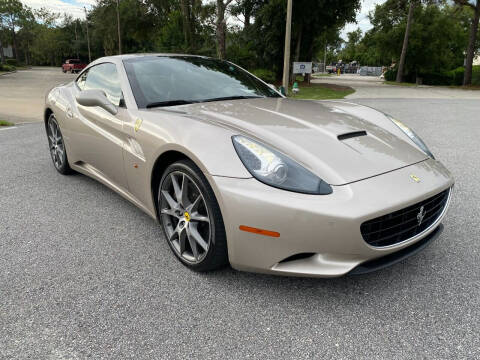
[
  {"x": 190, "y": 217},
  {"x": 57, "y": 146}
]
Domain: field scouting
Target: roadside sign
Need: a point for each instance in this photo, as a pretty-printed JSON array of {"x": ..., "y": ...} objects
[{"x": 302, "y": 67}]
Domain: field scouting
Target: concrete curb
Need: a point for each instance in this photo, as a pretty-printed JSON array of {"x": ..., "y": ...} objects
[{"x": 10, "y": 72}]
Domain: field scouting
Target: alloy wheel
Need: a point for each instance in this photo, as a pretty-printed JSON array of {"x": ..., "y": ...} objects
[
  {"x": 55, "y": 142},
  {"x": 185, "y": 217}
]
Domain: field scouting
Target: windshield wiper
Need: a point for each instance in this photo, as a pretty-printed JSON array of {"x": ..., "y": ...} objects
[
  {"x": 185, "y": 102},
  {"x": 170, "y": 103},
  {"x": 233, "y": 98}
]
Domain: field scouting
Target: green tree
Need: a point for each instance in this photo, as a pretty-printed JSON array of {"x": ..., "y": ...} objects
[
  {"x": 436, "y": 43},
  {"x": 472, "y": 40},
  {"x": 350, "y": 51},
  {"x": 11, "y": 12}
]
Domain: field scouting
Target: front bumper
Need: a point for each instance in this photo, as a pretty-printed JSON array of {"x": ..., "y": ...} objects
[{"x": 325, "y": 227}]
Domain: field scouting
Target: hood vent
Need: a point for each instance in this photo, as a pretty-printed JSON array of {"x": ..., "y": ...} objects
[{"x": 351, "y": 135}]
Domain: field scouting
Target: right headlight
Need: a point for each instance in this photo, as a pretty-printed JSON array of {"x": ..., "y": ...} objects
[
  {"x": 411, "y": 134},
  {"x": 277, "y": 170}
]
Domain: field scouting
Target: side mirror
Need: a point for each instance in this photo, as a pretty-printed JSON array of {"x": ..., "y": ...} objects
[{"x": 95, "y": 97}]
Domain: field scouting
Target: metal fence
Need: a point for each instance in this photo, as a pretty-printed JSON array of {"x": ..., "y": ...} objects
[{"x": 371, "y": 71}]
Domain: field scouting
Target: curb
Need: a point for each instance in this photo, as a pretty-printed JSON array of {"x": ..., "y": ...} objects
[{"x": 10, "y": 72}]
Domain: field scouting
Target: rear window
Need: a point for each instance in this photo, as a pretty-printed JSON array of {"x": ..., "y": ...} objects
[{"x": 73, "y": 61}]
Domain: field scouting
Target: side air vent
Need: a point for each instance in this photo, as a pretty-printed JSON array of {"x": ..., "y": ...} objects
[
  {"x": 297, "y": 257},
  {"x": 351, "y": 135}
]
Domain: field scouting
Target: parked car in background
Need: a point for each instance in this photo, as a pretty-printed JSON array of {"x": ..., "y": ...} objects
[
  {"x": 73, "y": 66},
  {"x": 331, "y": 69}
]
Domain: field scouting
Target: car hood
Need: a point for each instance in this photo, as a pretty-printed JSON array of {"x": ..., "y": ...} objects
[{"x": 326, "y": 137}]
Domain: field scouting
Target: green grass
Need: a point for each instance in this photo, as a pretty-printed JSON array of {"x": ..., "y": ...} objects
[
  {"x": 5, "y": 123},
  {"x": 321, "y": 92}
]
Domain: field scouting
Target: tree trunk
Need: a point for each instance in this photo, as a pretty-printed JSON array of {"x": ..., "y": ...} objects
[
  {"x": 299, "y": 43},
  {"x": 14, "y": 44},
  {"x": 247, "y": 14},
  {"x": 187, "y": 23},
  {"x": 2, "y": 55},
  {"x": 118, "y": 29},
  {"x": 26, "y": 50},
  {"x": 221, "y": 30},
  {"x": 467, "y": 79},
  {"x": 401, "y": 63}
]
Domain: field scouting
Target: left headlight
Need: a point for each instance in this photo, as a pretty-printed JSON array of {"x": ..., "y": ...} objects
[
  {"x": 277, "y": 170},
  {"x": 411, "y": 134}
]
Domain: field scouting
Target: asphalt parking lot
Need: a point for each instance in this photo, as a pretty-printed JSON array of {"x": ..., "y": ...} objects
[
  {"x": 85, "y": 274},
  {"x": 22, "y": 94}
]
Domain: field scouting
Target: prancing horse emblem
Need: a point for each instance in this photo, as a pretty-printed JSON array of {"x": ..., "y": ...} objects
[{"x": 421, "y": 215}]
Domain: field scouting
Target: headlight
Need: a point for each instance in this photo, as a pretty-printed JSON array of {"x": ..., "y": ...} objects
[
  {"x": 275, "y": 169},
  {"x": 411, "y": 134}
]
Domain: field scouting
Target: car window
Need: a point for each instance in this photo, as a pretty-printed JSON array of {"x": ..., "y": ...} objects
[
  {"x": 103, "y": 77},
  {"x": 81, "y": 80}
]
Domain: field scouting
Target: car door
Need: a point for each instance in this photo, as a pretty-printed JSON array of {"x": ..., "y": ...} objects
[{"x": 100, "y": 137}]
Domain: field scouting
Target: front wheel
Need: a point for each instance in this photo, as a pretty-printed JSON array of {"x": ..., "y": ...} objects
[
  {"x": 190, "y": 217},
  {"x": 57, "y": 146}
]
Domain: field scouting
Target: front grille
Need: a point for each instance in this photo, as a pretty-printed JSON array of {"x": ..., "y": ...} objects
[{"x": 404, "y": 224}]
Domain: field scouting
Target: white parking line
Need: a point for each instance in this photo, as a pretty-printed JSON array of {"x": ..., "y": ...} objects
[{"x": 8, "y": 128}]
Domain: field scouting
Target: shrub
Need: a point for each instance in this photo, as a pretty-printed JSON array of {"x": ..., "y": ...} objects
[
  {"x": 476, "y": 75},
  {"x": 12, "y": 62},
  {"x": 456, "y": 76},
  {"x": 4, "y": 67},
  {"x": 266, "y": 75},
  {"x": 390, "y": 75},
  {"x": 437, "y": 78}
]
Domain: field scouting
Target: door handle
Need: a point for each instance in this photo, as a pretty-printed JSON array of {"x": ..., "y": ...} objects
[{"x": 69, "y": 113}]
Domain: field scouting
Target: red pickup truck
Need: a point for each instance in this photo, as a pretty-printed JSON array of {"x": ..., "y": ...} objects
[{"x": 73, "y": 66}]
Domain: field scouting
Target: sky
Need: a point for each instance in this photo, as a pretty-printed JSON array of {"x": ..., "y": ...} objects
[
  {"x": 75, "y": 8},
  {"x": 362, "y": 17}
]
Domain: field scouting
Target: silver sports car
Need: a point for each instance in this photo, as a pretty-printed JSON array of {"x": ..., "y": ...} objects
[{"x": 236, "y": 173}]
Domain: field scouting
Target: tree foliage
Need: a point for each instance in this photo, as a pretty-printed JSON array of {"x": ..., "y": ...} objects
[
  {"x": 249, "y": 32},
  {"x": 437, "y": 43}
]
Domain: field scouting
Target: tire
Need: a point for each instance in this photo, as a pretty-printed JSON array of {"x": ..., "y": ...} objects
[
  {"x": 190, "y": 218},
  {"x": 56, "y": 145}
]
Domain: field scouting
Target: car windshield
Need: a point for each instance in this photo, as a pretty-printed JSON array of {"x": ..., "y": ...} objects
[
  {"x": 176, "y": 80},
  {"x": 74, "y": 61}
]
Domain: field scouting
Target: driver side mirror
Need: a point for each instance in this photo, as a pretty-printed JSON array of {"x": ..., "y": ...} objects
[{"x": 94, "y": 97}]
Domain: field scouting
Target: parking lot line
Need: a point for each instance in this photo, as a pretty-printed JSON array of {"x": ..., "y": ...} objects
[{"x": 9, "y": 128}]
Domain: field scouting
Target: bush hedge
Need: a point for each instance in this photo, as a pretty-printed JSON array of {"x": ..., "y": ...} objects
[
  {"x": 390, "y": 74},
  {"x": 5, "y": 67},
  {"x": 266, "y": 75},
  {"x": 452, "y": 77},
  {"x": 12, "y": 62}
]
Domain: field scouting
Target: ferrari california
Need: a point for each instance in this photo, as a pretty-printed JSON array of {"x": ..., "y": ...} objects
[{"x": 235, "y": 173}]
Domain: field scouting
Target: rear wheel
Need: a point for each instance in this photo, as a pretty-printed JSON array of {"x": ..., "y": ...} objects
[
  {"x": 57, "y": 146},
  {"x": 190, "y": 217}
]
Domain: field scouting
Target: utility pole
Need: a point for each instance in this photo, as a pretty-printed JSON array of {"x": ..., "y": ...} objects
[
  {"x": 118, "y": 28},
  {"x": 88, "y": 38},
  {"x": 286, "y": 59}
]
